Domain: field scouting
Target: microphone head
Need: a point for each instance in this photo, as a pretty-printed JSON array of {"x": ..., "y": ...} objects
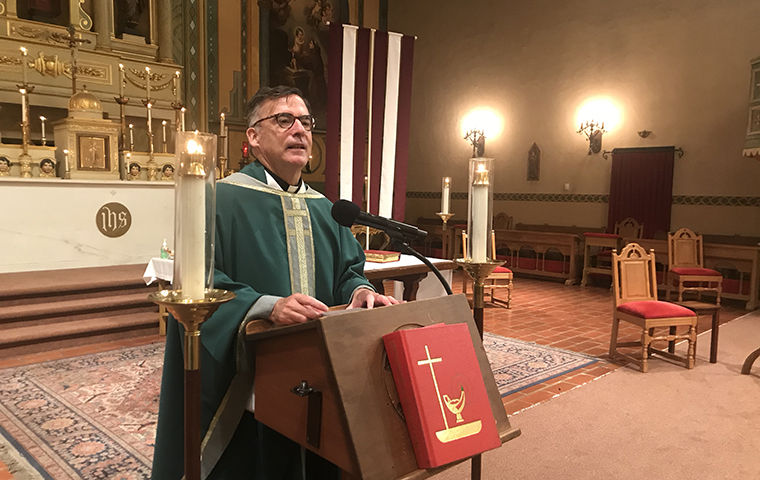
[{"x": 345, "y": 212}]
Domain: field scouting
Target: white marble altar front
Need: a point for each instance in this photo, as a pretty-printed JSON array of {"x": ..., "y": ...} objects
[{"x": 51, "y": 224}]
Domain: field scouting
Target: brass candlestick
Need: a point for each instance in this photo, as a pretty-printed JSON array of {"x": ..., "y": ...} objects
[
  {"x": 445, "y": 235},
  {"x": 479, "y": 271},
  {"x": 152, "y": 165},
  {"x": 177, "y": 106},
  {"x": 191, "y": 314},
  {"x": 122, "y": 101}
]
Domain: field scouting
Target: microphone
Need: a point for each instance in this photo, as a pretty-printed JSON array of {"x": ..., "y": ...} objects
[{"x": 347, "y": 214}]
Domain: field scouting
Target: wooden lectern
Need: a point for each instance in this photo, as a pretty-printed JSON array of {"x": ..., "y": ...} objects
[{"x": 348, "y": 412}]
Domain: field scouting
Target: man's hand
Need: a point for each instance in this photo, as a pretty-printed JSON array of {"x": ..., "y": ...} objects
[
  {"x": 297, "y": 308},
  {"x": 364, "y": 297}
]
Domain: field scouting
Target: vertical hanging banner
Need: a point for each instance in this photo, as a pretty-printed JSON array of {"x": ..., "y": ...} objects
[{"x": 368, "y": 71}]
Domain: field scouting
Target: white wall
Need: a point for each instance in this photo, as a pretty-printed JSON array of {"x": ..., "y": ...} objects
[
  {"x": 680, "y": 68},
  {"x": 51, "y": 224}
]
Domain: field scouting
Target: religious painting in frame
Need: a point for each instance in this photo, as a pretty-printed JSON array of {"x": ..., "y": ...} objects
[
  {"x": 298, "y": 46},
  {"x": 92, "y": 153}
]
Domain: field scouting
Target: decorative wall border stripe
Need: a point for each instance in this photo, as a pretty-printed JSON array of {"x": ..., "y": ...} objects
[{"x": 717, "y": 201}]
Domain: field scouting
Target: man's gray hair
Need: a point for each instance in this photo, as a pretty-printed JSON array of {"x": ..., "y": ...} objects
[{"x": 270, "y": 93}]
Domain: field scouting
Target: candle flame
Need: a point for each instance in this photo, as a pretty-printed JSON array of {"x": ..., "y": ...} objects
[
  {"x": 177, "y": 73},
  {"x": 194, "y": 147},
  {"x": 481, "y": 168},
  {"x": 222, "y": 114},
  {"x": 43, "y": 118},
  {"x": 121, "y": 66},
  {"x": 163, "y": 122},
  {"x": 131, "y": 125},
  {"x": 147, "y": 69},
  {"x": 23, "y": 50},
  {"x": 66, "y": 152}
]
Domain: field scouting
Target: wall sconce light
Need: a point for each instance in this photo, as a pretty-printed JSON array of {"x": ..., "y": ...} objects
[
  {"x": 593, "y": 132},
  {"x": 478, "y": 140}
]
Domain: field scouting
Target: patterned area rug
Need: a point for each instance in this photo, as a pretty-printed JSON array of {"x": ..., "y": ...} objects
[
  {"x": 94, "y": 417},
  {"x": 89, "y": 417},
  {"x": 517, "y": 365}
]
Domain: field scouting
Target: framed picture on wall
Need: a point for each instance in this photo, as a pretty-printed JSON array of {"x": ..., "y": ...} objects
[
  {"x": 92, "y": 153},
  {"x": 298, "y": 45}
]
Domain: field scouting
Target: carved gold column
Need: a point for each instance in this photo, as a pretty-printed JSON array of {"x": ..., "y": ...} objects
[
  {"x": 103, "y": 25},
  {"x": 165, "y": 34}
]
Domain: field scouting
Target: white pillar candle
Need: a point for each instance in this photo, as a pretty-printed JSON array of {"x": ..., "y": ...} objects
[
  {"x": 66, "y": 165},
  {"x": 192, "y": 254},
  {"x": 147, "y": 82},
  {"x": 479, "y": 232},
  {"x": 150, "y": 119},
  {"x": 175, "y": 84},
  {"x": 24, "y": 117},
  {"x": 42, "y": 120},
  {"x": 183, "y": 119},
  {"x": 226, "y": 140},
  {"x": 121, "y": 80},
  {"x": 163, "y": 132},
  {"x": 446, "y": 195},
  {"x": 24, "y": 67},
  {"x": 221, "y": 124},
  {"x": 131, "y": 136}
]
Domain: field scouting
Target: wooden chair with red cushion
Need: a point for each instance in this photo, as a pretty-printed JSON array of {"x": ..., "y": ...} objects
[
  {"x": 490, "y": 283},
  {"x": 686, "y": 266},
  {"x": 635, "y": 295},
  {"x": 605, "y": 244}
]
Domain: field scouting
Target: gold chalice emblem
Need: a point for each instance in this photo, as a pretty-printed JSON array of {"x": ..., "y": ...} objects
[
  {"x": 449, "y": 434},
  {"x": 455, "y": 406}
]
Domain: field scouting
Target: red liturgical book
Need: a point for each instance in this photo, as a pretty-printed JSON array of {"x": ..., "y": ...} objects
[{"x": 442, "y": 393}]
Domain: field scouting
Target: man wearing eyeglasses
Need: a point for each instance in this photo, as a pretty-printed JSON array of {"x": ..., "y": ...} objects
[{"x": 278, "y": 248}]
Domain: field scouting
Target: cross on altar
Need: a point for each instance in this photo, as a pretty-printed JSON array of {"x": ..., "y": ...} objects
[{"x": 73, "y": 42}]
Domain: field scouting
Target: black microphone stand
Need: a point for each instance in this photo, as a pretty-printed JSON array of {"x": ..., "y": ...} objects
[{"x": 399, "y": 241}]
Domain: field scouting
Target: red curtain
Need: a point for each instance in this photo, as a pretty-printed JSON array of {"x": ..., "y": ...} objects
[{"x": 642, "y": 187}]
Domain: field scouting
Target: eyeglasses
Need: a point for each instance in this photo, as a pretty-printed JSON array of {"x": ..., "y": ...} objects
[{"x": 286, "y": 120}]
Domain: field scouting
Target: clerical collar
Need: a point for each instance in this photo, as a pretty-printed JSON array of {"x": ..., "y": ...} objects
[{"x": 285, "y": 186}]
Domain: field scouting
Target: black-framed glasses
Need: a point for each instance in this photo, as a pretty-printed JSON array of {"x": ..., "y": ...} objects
[{"x": 286, "y": 120}]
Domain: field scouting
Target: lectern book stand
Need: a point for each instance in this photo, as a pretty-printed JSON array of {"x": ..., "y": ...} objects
[{"x": 326, "y": 385}]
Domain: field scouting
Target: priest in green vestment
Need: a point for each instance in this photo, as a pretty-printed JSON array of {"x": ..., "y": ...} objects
[{"x": 278, "y": 248}]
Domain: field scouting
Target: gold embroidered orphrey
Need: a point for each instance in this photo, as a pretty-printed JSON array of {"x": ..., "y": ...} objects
[
  {"x": 449, "y": 434},
  {"x": 300, "y": 245}
]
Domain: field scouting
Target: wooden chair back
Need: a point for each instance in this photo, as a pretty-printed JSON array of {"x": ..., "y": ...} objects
[
  {"x": 685, "y": 249},
  {"x": 502, "y": 221},
  {"x": 633, "y": 275},
  {"x": 629, "y": 228}
]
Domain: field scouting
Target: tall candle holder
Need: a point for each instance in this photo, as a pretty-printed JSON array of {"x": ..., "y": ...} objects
[
  {"x": 122, "y": 101},
  {"x": 193, "y": 300},
  {"x": 25, "y": 160},
  {"x": 152, "y": 165},
  {"x": 445, "y": 235},
  {"x": 178, "y": 116}
]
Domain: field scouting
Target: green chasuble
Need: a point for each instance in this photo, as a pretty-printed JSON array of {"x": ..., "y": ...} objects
[{"x": 268, "y": 242}]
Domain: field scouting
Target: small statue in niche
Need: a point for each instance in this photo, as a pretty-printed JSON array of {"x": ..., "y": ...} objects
[
  {"x": 167, "y": 172},
  {"x": 47, "y": 168},
  {"x": 131, "y": 15},
  {"x": 134, "y": 171},
  {"x": 534, "y": 163},
  {"x": 5, "y": 167}
]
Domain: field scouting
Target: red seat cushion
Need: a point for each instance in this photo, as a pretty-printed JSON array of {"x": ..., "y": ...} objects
[
  {"x": 696, "y": 271},
  {"x": 602, "y": 235},
  {"x": 502, "y": 270},
  {"x": 604, "y": 253},
  {"x": 655, "y": 309}
]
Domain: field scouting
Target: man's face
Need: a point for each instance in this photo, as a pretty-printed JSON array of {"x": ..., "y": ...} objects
[{"x": 283, "y": 151}]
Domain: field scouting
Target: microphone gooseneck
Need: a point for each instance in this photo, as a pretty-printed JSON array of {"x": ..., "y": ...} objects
[{"x": 347, "y": 214}]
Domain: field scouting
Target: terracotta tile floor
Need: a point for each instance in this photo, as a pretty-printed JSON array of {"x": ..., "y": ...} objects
[{"x": 548, "y": 313}]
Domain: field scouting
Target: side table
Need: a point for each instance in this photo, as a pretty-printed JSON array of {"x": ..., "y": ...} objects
[{"x": 701, "y": 308}]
